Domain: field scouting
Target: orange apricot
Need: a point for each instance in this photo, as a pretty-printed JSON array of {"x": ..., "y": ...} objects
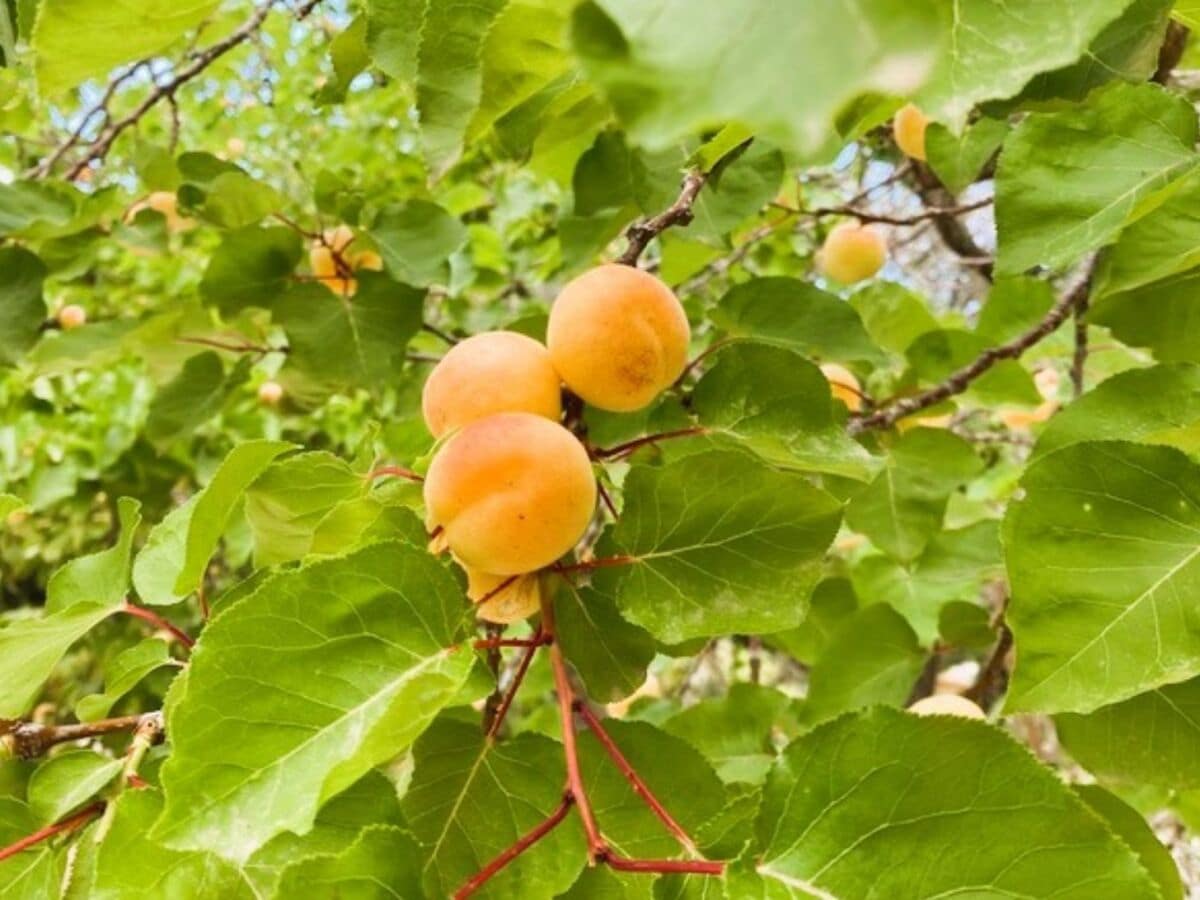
[
  {"x": 844, "y": 385},
  {"x": 947, "y": 705},
  {"x": 852, "y": 253},
  {"x": 908, "y": 128}
]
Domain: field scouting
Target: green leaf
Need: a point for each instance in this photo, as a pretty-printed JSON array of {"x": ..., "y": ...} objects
[
  {"x": 1051, "y": 208},
  {"x": 882, "y": 801},
  {"x": 74, "y": 40},
  {"x": 10, "y": 503},
  {"x": 416, "y": 238},
  {"x": 1159, "y": 405},
  {"x": 610, "y": 654},
  {"x": 892, "y": 314},
  {"x": 737, "y": 732},
  {"x": 67, "y": 781},
  {"x": 872, "y": 658},
  {"x": 250, "y": 268},
  {"x": 470, "y": 799},
  {"x": 904, "y": 506},
  {"x": 22, "y": 309},
  {"x": 122, "y": 675},
  {"x": 384, "y": 861},
  {"x": 1150, "y": 739},
  {"x": 192, "y": 397},
  {"x": 1102, "y": 557},
  {"x": 1127, "y": 824},
  {"x": 965, "y": 625},
  {"x": 1013, "y": 306},
  {"x": 235, "y": 200},
  {"x": 1158, "y": 316},
  {"x": 176, "y": 553},
  {"x": 101, "y": 577},
  {"x": 936, "y": 355},
  {"x": 957, "y": 159},
  {"x": 450, "y": 74},
  {"x": 741, "y": 551},
  {"x": 377, "y": 625},
  {"x": 394, "y": 34},
  {"x": 288, "y": 502},
  {"x": 833, "y": 601},
  {"x": 28, "y": 206},
  {"x": 779, "y": 405},
  {"x": 668, "y": 82},
  {"x": 342, "y": 344},
  {"x": 131, "y": 862},
  {"x": 349, "y": 54},
  {"x": 796, "y": 315}
]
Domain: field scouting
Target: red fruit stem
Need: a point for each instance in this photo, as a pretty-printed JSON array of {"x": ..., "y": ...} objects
[
  {"x": 158, "y": 621},
  {"x": 597, "y": 848},
  {"x": 397, "y": 471},
  {"x": 667, "y": 866},
  {"x": 523, "y": 843},
  {"x": 66, "y": 826},
  {"x": 631, "y": 775},
  {"x": 603, "y": 563},
  {"x": 628, "y": 447}
]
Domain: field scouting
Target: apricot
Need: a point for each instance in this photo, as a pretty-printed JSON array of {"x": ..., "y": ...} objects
[
  {"x": 72, "y": 316},
  {"x": 618, "y": 337},
  {"x": 504, "y": 599},
  {"x": 512, "y": 492},
  {"x": 852, "y": 252},
  {"x": 908, "y": 128},
  {"x": 947, "y": 705},
  {"x": 334, "y": 245},
  {"x": 844, "y": 385},
  {"x": 270, "y": 393},
  {"x": 1023, "y": 420},
  {"x": 496, "y": 371},
  {"x": 163, "y": 202}
]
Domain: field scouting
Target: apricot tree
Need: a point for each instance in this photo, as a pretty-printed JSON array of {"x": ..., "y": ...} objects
[{"x": 588, "y": 448}]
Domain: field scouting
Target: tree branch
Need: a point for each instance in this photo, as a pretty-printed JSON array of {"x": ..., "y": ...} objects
[
  {"x": 929, "y": 214},
  {"x": 954, "y": 233},
  {"x": 891, "y": 412},
  {"x": 28, "y": 740},
  {"x": 506, "y": 703},
  {"x": 66, "y": 826},
  {"x": 993, "y": 677},
  {"x": 1079, "y": 357},
  {"x": 1171, "y": 51},
  {"x": 524, "y": 843},
  {"x": 642, "y": 232}
]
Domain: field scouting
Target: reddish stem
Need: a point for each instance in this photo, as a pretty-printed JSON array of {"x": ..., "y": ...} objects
[
  {"x": 518, "y": 677},
  {"x": 490, "y": 643},
  {"x": 700, "y": 357},
  {"x": 608, "y": 503},
  {"x": 158, "y": 621},
  {"x": 66, "y": 826},
  {"x": 597, "y": 848},
  {"x": 621, "y": 450},
  {"x": 666, "y": 866},
  {"x": 631, "y": 775},
  {"x": 602, "y": 563},
  {"x": 397, "y": 471},
  {"x": 526, "y": 841}
]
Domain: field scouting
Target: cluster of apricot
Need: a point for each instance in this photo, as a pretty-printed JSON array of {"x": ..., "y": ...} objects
[{"x": 510, "y": 489}]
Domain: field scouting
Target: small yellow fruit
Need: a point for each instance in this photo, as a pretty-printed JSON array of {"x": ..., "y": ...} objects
[
  {"x": 852, "y": 253},
  {"x": 908, "y": 128},
  {"x": 333, "y": 245},
  {"x": 496, "y": 371},
  {"x": 844, "y": 385},
  {"x": 1047, "y": 381},
  {"x": 270, "y": 393},
  {"x": 618, "y": 337},
  {"x": 504, "y": 599},
  {"x": 513, "y": 492},
  {"x": 235, "y": 147},
  {"x": 72, "y": 316},
  {"x": 1023, "y": 420},
  {"x": 947, "y": 705}
]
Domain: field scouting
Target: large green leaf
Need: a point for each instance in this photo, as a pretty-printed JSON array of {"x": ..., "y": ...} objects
[
  {"x": 416, "y": 238},
  {"x": 122, "y": 675},
  {"x": 250, "y": 267},
  {"x": 1159, "y": 316},
  {"x": 78, "y": 39},
  {"x": 22, "y": 309},
  {"x": 101, "y": 577},
  {"x": 192, "y": 397},
  {"x": 719, "y": 543},
  {"x": 1051, "y": 205},
  {"x": 377, "y": 627},
  {"x": 957, "y": 159},
  {"x": 796, "y": 315},
  {"x": 1153, "y": 738},
  {"x": 1159, "y": 405},
  {"x": 892, "y": 314},
  {"x": 872, "y": 658},
  {"x": 1160, "y": 244},
  {"x": 172, "y": 563},
  {"x": 1103, "y": 558},
  {"x": 383, "y": 862},
  {"x": 69, "y": 780},
  {"x": 667, "y": 82},
  {"x": 903, "y": 507},
  {"x": 342, "y": 344},
  {"x": 1127, "y": 824},
  {"x": 779, "y": 405},
  {"x": 901, "y": 806},
  {"x": 394, "y": 34},
  {"x": 471, "y": 798}
]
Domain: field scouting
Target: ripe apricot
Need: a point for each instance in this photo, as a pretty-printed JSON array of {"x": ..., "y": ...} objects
[
  {"x": 908, "y": 128},
  {"x": 504, "y": 599},
  {"x": 512, "y": 492},
  {"x": 270, "y": 393},
  {"x": 618, "y": 337},
  {"x": 72, "y": 316},
  {"x": 334, "y": 247},
  {"x": 844, "y": 385},
  {"x": 947, "y": 705},
  {"x": 496, "y": 371},
  {"x": 852, "y": 252}
]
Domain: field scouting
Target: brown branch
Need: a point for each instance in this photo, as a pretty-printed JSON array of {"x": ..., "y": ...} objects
[
  {"x": 993, "y": 677},
  {"x": 232, "y": 346},
  {"x": 526, "y": 841},
  {"x": 28, "y": 740},
  {"x": 666, "y": 866},
  {"x": 604, "y": 562},
  {"x": 1171, "y": 52},
  {"x": 622, "y": 450},
  {"x": 927, "y": 680},
  {"x": 66, "y": 826},
  {"x": 518, "y": 678},
  {"x": 954, "y": 233},
  {"x": 140, "y": 612},
  {"x": 1079, "y": 357},
  {"x": 891, "y": 412},
  {"x": 98, "y": 149},
  {"x": 929, "y": 214},
  {"x": 723, "y": 264},
  {"x": 642, "y": 232},
  {"x": 437, "y": 332}
]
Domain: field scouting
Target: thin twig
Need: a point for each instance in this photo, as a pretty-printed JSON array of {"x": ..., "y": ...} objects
[
  {"x": 641, "y": 233},
  {"x": 518, "y": 677},
  {"x": 231, "y": 346},
  {"x": 140, "y": 612},
  {"x": 437, "y": 332},
  {"x": 891, "y": 412},
  {"x": 396, "y": 472},
  {"x": 1079, "y": 357},
  {"x": 66, "y": 826},
  {"x": 597, "y": 846},
  {"x": 623, "y": 450},
  {"x": 954, "y": 233},
  {"x": 526, "y": 841},
  {"x": 993, "y": 677},
  {"x": 29, "y": 740},
  {"x": 928, "y": 214},
  {"x": 604, "y": 562}
]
